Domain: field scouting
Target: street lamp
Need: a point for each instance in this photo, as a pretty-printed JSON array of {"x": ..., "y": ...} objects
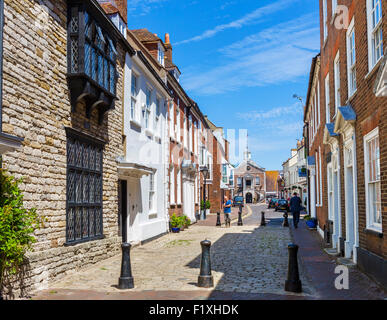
[{"x": 205, "y": 172}]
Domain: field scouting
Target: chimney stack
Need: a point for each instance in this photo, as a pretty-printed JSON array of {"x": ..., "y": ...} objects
[{"x": 168, "y": 53}]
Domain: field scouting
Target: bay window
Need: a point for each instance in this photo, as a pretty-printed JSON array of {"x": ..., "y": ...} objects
[{"x": 91, "y": 59}]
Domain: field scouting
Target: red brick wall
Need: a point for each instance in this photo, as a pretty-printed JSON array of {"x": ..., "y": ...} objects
[{"x": 371, "y": 111}]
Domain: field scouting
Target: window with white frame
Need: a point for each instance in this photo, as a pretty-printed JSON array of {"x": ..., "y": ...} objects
[
  {"x": 351, "y": 59},
  {"x": 157, "y": 114},
  {"x": 172, "y": 185},
  {"x": 325, "y": 19},
  {"x": 178, "y": 131},
  {"x": 224, "y": 173},
  {"x": 148, "y": 96},
  {"x": 327, "y": 100},
  {"x": 239, "y": 181},
  {"x": 202, "y": 155},
  {"x": 257, "y": 181},
  {"x": 178, "y": 184},
  {"x": 209, "y": 164},
  {"x": 317, "y": 180},
  {"x": 161, "y": 55},
  {"x": 185, "y": 131},
  {"x": 334, "y": 7},
  {"x": 372, "y": 179},
  {"x": 337, "y": 82},
  {"x": 134, "y": 91},
  {"x": 375, "y": 34},
  {"x": 318, "y": 103},
  {"x": 171, "y": 120},
  {"x": 152, "y": 192},
  {"x": 189, "y": 133}
]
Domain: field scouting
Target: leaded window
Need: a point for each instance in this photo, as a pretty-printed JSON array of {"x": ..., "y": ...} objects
[
  {"x": 92, "y": 55},
  {"x": 84, "y": 189}
]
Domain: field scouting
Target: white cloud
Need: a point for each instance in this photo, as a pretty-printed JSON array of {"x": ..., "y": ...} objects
[
  {"x": 277, "y": 54},
  {"x": 143, "y": 7},
  {"x": 249, "y": 18},
  {"x": 269, "y": 114}
]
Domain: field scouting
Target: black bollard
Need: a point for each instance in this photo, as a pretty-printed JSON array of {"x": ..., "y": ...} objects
[
  {"x": 286, "y": 221},
  {"x": 126, "y": 280},
  {"x": 293, "y": 283},
  {"x": 263, "y": 222},
  {"x": 240, "y": 223},
  {"x": 205, "y": 279},
  {"x": 218, "y": 223}
]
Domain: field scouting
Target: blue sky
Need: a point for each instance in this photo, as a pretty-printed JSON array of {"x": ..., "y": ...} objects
[{"x": 241, "y": 61}]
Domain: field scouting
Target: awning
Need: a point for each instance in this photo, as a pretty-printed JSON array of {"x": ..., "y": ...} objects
[
  {"x": 345, "y": 115},
  {"x": 329, "y": 132},
  {"x": 133, "y": 170},
  {"x": 9, "y": 143}
]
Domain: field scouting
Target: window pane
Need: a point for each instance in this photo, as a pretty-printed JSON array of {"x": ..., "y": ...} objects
[
  {"x": 112, "y": 79},
  {"x": 94, "y": 66},
  {"x": 87, "y": 58}
]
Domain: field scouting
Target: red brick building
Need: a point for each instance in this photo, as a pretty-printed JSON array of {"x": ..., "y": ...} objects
[{"x": 353, "y": 102}]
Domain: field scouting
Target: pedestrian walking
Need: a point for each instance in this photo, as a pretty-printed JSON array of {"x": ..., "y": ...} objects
[
  {"x": 295, "y": 208},
  {"x": 227, "y": 211}
]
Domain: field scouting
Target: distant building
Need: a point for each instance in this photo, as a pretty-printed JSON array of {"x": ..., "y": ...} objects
[
  {"x": 272, "y": 183},
  {"x": 250, "y": 180}
]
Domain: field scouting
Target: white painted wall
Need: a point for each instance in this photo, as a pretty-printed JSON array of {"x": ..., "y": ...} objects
[{"x": 146, "y": 147}]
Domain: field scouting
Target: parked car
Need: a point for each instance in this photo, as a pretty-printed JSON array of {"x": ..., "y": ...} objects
[
  {"x": 272, "y": 203},
  {"x": 237, "y": 201},
  {"x": 282, "y": 205}
]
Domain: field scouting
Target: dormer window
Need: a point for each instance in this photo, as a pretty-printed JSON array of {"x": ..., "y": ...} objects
[
  {"x": 91, "y": 61},
  {"x": 161, "y": 55}
]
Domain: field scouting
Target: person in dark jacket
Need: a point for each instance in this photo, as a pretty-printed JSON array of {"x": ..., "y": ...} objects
[{"x": 295, "y": 208}]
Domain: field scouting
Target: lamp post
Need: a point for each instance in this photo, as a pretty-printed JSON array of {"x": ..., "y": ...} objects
[{"x": 205, "y": 172}]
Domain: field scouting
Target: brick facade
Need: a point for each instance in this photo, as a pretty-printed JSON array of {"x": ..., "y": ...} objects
[{"x": 357, "y": 116}]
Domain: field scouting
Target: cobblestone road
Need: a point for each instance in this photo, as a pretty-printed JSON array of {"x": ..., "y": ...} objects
[{"x": 245, "y": 259}]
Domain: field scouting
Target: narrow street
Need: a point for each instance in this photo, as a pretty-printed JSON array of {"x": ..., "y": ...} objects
[{"x": 248, "y": 262}]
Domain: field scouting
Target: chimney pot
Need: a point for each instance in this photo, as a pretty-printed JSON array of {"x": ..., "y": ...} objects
[{"x": 167, "y": 38}]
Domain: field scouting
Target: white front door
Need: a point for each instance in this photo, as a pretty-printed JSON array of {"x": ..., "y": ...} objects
[
  {"x": 189, "y": 200},
  {"x": 336, "y": 204},
  {"x": 134, "y": 207}
]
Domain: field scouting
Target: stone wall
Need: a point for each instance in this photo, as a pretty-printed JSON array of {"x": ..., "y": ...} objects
[{"x": 36, "y": 107}]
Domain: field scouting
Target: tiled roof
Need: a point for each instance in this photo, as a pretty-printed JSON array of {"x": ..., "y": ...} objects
[
  {"x": 109, "y": 8},
  {"x": 144, "y": 35}
]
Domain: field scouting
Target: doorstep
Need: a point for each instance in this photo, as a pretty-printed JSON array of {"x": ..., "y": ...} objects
[
  {"x": 332, "y": 252},
  {"x": 346, "y": 262}
]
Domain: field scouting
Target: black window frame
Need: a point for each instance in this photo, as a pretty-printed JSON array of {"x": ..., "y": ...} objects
[{"x": 75, "y": 171}]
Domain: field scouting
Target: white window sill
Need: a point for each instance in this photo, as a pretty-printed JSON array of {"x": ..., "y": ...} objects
[
  {"x": 373, "y": 229},
  {"x": 352, "y": 95},
  {"x": 374, "y": 68},
  {"x": 149, "y": 132},
  {"x": 135, "y": 123}
]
